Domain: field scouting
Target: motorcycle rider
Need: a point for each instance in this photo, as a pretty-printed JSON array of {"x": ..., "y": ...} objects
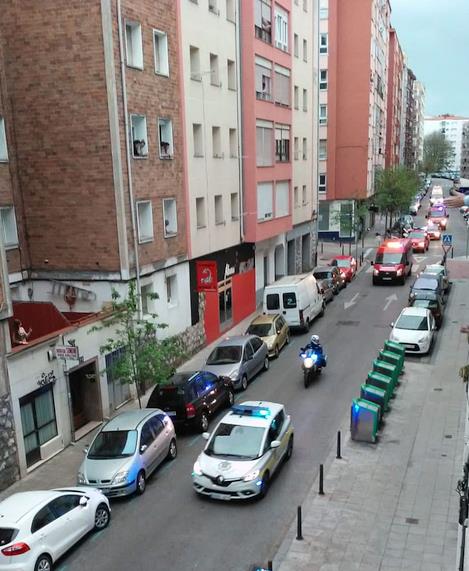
[{"x": 315, "y": 346}]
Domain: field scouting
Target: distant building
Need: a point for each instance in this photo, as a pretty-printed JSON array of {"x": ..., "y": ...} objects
[
  {"x": 451, "y": 126},
  {"x": 410, "y": 155},
  {"x": 465, "y": 151},
  {"x": 395, "y": 111},
  {"x": 419, "y": 98}
]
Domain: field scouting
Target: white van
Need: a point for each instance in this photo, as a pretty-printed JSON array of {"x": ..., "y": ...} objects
[
  {"x": 437, "y": 195},
  {"x": 297, "y": 298}
]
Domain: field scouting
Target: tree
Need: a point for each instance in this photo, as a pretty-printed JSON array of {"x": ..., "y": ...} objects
[
  {"x": 142, "y": 357},
  {"x": 395, "y": 189},
  {"x": 438, "y": 153}
]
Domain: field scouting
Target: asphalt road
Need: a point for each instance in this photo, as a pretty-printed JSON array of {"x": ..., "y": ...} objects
[{"x": 169, "y": 527}]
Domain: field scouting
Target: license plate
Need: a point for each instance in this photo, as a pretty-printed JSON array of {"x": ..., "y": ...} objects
[
  {"x": 385, "y": 278},
  {"x": 220, "y": 496},
  {"x": 171, "y": 412}
]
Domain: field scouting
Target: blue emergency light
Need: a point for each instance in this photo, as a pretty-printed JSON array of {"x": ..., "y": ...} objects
[{"x": 248, "y": 410}]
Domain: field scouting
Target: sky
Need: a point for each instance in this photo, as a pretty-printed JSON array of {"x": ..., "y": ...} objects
[{"x": 434, "y": 34}]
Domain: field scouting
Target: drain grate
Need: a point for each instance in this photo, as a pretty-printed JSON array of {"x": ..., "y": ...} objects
[
  {"x": 448, "y": 436},
  {"x": 412, "y": 520},
  {"x": 438, "y": 389},
  {"x": 352, "y": 323}
]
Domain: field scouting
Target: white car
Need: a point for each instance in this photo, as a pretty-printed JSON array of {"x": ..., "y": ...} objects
[
  {"x": 414, "y": 329},
  {"x": 36, "y": 528},
  {"x": 246, "y": 448}
]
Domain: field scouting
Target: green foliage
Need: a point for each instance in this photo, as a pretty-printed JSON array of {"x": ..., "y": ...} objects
[
  {"x": 395, "y": 189},
  {"x": 142, "y": 357},
  {"x": 438, "y": 153},
  {"x": 353, "y": 221}
]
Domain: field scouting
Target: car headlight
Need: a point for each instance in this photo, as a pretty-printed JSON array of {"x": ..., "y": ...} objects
[
  {"x": 121, "y": 477},
  {"x": 375, "y": 272},
  {"x": 422, "y": 340},
  {"x": 81, "y": 478},
  {"x": 399, "y": 272},
  {"x": 251, "y": 476},
  {"x": 197, "y": 470},
  {"x": 234, "y": 374}
]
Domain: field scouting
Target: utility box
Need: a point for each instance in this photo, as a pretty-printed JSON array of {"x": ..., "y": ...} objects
[
  {"x": 376, "y": 395},
  {"x": 392, "y": 359},
  {"x": 364, "y": 419},
  {"x": 394, "y": 348},
  {"x": 388, "y": 370},
  {"x": 381, "y": 382}
]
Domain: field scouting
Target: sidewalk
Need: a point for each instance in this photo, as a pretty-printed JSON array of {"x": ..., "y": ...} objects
[{"x": 392, "y": 505}]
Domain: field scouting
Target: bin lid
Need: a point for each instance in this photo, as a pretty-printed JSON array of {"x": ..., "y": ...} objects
[
  {"x": 384, "y": 365},
  {"x": 395, "y": 345},
  {"x": 371, "y": 406},
  {"x": 379, "y": 377},
  {"x": 371, "y": 389},
  {"x": 390, "y": 355}
]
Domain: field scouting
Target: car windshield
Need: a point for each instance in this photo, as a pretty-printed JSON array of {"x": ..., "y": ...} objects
[
  {"x": 425, "y": 283},
  {"x": 236, "y": 441},
  {"x": 113, "y": 444},
  {"x": 427, "y": 303},
  {"x": 412, "y": 322},
  {"x": 260, "y": 329},
  {"x": 225, "y": 355},
  {"x": 343, "y": 263},
  {"x": 322, "y": 275},
  {"x": 417, "y": 235},
  {"x": 388, "y": 258}
]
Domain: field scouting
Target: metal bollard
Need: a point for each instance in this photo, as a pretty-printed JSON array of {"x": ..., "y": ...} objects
[
  {"x": 321, "y": 480},
  {"x": 339, "y": 457},
  {"x": 299, "y": 530}
]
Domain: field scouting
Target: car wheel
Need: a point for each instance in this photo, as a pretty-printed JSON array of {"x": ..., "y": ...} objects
[
  {"x": 264, "y": 487},
  {"x": 289, "y": 452},
  {"x": 173, "y": 450},
  {"x": 141, "y": 483},
  {"x": 43, "y": 563},
  {"x": 244, "y": 383},
  {"x": 203, "y": 422},
  {"x": 101, "y": 517},
  {"x": 287, "y": 341},
  {"x": 266, "y": 363}
]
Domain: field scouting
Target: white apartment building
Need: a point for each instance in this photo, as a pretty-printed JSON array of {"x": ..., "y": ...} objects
[
  {"x": 419, "y": 97},
  {"x": 452, "y": 128}
]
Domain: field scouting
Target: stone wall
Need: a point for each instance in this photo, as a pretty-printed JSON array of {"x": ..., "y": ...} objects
[
  {"x": 9, "y": 471},
  {"x": 193, "y": 338}
]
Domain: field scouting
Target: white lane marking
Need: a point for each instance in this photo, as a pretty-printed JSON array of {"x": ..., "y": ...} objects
[
  {"x": 389, "y": 300},
  {"x": 353, "y": 301},
  {"x": 368, "y": 252}
]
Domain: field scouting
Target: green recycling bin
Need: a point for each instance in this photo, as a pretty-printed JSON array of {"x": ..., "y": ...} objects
[
  {"x": 364, "y": 420},
  {"x": 394, "y": 347},
  {"x": 393, "y": 359},
  {"x": 381, "y": 381},
  {"x": 376, "y": 395},
  {"x": 387, "y": 369}
]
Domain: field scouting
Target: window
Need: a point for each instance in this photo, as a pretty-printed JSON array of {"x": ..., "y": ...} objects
[
  {"x": 323, "y": 217},
  {"x": 281, "y": 28},
  {"x": 198, "y": 140},
  {"x": 296, "y": 198},
  {"x": 273, "y": 301},
  {"x": 256, "y": 344},
  {"x": 282, "y": 143},
  {"x": 323, "y": 44},
  {"x": 296, "y": 148},
  {"x": 305, "y": 5},
  {"x": 305, "y": 50},
  {"x": 264, "y": 143},
  {"x": 214, "y": 72},
  {"x": 322, "y": 182},
  {"x": 43, "y": 517},
  {"x": 282, "y": 86},
  {"x": 323, "y": 9},
  {"x": 171, "y": 290},
  {"x": 263, "y": 20},
  {"x": 263, "y": 79},
  {"x": 165, "y": 132},
  {"x": 133, "y": 44},
  {"x": 195, "y": 63},
  {"x": 144, "y": 221},
  {"x": 230, "y": 10},
  {"x": 296, "y": 97},
  {"x": 160, "y": 47},
  {"x": 200, "y": 212},
  {"x": 233, "y": 144},
  {"x": 323, "y": 79},
  {"x": 295, "y": 45},
  {"x": 170, "y": 217},
  {"x": 3, "y": 141},
  {"x": 322, "y": 155},
  {"x": 305, "y": 100},
  {"x": 138, "y": 124},
  {"x": 304, "y": 202},
  {"x": 146, "y": 436},
  {"x": 282, "y": 199},
  {"x": 234, "y": 206},
  {"x": 264, "y": 200},
  {"x": 219, "y": 218},
  {"x": 231, "y": 75},
  {"x": 216, "y": 143},
  {"x": 145, "y": 294},
  {"x": 323, "y": 114},
  {"x": 8, "y": 222},
  {"x": 305, "y": 148},
  {"x": 212, "y": 7}
]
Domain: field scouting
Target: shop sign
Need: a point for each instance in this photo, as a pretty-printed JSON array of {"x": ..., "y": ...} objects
[
  {"x": 67, "y": 352},
  {"x": 246, "y": 266},
  {"x": 206, "y": 275},
  {"x": 229, "y": 270},
  {"x": 47, "y": 379}
]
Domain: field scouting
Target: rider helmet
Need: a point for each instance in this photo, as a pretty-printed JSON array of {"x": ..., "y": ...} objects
[{"x": 315, "y": 339}]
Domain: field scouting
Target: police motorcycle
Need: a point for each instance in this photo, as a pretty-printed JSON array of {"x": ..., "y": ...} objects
[{"x": 314, "y": 359}]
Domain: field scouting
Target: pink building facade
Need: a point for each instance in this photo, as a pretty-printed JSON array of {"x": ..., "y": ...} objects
[{"x": 394, "y": 102}]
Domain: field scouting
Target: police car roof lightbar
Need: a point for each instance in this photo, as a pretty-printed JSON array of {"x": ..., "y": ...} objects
[{"x": 247, "y": 410}]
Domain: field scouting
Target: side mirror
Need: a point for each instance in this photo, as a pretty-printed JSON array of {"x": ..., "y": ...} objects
[
  {"x": 391, "y": 324},
  {"x": 275, "y": 443},
  {"x": 85, "y": 449},
  {"x": 205, "y": 435},
  {"x": 143, "y": 447},
  {"x": 83, "y": 501}
]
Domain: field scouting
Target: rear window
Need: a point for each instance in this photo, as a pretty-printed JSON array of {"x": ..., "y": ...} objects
[
  {"x": 289, "y": 300},
  {"x": 322, "y": 275},
  {"x": 273, "y": 301},
  {"x": 7, "y": 535},
  {"x": 165, "y": 395}
]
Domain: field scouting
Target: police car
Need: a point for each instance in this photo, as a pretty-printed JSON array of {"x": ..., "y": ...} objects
[{"x": 246, "y": 448}]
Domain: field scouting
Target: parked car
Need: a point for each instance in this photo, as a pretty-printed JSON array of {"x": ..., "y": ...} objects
[
  {"x": 431, "y": 301},
  {"x": 440, "y": 270},
  {"x": 414, "y": 329},
  {"x": 428, "y": 283},
  {"x": 327, "y": 289},
  {"x": 347, "y": 266},
  {"x": 127, "y": 450},
  {"x": 191, "y": 398},
  {"x": 240, "y": 358},
  {"x": 420, "y": 240},
  {"x": 332, "y": 274},
  {"x": 273, "y": 330},
  {"x": 38, "y": 527},
  {"x": 245, "y": 450}
]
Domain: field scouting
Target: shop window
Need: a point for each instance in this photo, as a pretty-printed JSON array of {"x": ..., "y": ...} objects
[
  {"x": 170, "y": 217},
  {"x": 3, "y": 141},
  {"x": 200, "y": 212},
  {"x": 138, "y": 125},
  {"x": 133, "y": 44},
  {"x": 160, "y": 46},
  {"x": 38, "y": 422},
  {"x": 144, "y": 221},
  {"x": 8, "y": 226},
  {"x": 165, "y": 132}
]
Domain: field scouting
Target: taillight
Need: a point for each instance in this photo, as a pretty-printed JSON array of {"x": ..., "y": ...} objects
[
  {"x": 301, "y": 317},
  {"x": 16, "y": 549},
  {"x": 190, "y": 410}
]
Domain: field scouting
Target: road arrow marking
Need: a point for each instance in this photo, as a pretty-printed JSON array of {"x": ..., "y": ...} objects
[
  {"x": 419, "y": 259},
  {"x": 389, "y": 300},
  {"x": 353, "y": 301}
]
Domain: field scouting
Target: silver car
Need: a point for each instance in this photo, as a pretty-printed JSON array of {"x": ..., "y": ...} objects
[
  {"x": 127, "y": 450},
  {"x": 240, "y": 358}
]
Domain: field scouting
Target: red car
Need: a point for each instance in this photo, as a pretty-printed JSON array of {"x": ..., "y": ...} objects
[
  {"x": 420, "y": 240},
  {"x": 347, "y": 266}
]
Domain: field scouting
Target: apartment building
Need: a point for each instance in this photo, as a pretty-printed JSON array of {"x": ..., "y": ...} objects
[
  {"x": 465, "y": 151},
  {"x": 451, "y": 126},
  {"x": 419, "y": 96},
  {"x": 353, "y": 85},
  {"x": 410, "y": 151},
  {"x": 394, "y": 101}
]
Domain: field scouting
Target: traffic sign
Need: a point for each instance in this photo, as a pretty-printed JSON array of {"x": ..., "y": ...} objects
[{"x": 447, "y": 239}]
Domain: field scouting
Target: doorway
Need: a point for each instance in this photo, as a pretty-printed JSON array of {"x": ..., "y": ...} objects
[
  {"x": 225, "y": 304},
  {"x": 85, "y": 395},
  {"x": 306, "y": 252},
  {"x": 291, "y": 258}
]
